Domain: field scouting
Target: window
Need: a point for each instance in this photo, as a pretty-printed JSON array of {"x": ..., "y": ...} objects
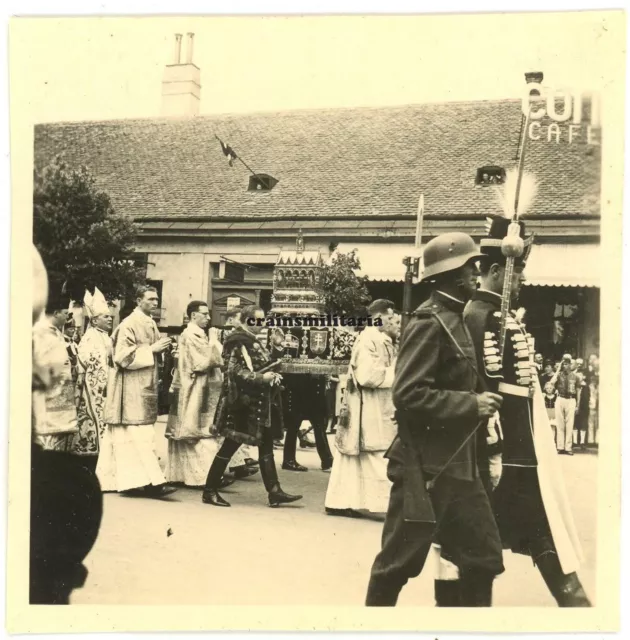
[
  {"x": 490, "y": 174},
  {"x": 261, "y": 182}
]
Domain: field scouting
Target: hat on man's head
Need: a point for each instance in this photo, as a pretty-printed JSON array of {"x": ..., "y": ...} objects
[
  {"x": 497, "y": 229},
  {"x": 95, "y": 305},
  {"x": 567, "y": 358},
  {"x": 447, "y": 252}
]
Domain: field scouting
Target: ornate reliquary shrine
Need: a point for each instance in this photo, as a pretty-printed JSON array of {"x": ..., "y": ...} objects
[{"x": 311, "y": 344}]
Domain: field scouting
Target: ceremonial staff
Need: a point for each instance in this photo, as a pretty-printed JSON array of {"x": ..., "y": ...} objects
[
  {"x": 518, "y": 194},
  {"x": 513, "y": 245},
  {"x": 412, "y": 264}
]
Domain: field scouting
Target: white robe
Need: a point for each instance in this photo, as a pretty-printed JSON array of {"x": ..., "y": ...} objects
[
  {"x": 194, "y": 395},
  {"x": 128, "y": 459},
  {"x": 358, "y": 479}
]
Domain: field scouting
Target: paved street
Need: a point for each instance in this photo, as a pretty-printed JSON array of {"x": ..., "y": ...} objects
[{"x": 295, "y": 555}]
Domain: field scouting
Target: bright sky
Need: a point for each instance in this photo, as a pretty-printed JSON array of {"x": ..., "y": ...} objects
[{"x": 107, "y": 68}]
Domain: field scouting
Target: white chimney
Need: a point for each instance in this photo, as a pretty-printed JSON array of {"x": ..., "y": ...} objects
[
  {"x": 181, "y": 83},
  {"x": 190, "y": 48},
  {"x": 178, "y": 48}
]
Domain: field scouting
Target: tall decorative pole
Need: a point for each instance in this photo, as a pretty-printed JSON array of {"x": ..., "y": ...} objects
[
  {"x": 412, "y": 264},
  {"x": 513, "y": 246}
]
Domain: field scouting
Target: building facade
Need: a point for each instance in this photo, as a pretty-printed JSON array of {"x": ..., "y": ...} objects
[{"x": 349, "y": 179}]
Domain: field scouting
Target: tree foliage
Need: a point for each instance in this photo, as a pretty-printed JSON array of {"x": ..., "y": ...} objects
[
  {"x": 345, "y": 292},
  {"x": 84, "y": 243}
]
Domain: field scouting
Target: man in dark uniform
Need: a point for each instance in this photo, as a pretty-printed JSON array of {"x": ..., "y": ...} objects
[
  {"x": 517, "y": 500},
  {"x": 439, "y": 405},
  {"x": 305, "y": 399}
]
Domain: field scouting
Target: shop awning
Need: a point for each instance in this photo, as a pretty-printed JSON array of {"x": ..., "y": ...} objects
[
  {"x": 549, "y": 265},
  {"x": 564, "y": 265},
  {"x": 379, "y": 261}
]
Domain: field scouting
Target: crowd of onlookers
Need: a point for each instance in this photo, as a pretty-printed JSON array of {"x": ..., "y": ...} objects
[{"x": 571, "y": 390}]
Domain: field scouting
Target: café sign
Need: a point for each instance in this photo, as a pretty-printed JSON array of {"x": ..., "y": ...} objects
[{"x": 564, "y": 113}]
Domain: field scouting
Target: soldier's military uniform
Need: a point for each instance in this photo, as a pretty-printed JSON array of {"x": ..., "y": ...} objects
[
  {"x": 435, "y": 396},
  {"x": 517, "y": 501},
  {"x": 305, "y": 399}
]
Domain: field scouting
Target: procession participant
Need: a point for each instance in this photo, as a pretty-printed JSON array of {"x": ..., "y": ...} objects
[
  {"x": 93, "y": 361},
  {"x": 439, "y": 405},
  {"x": 66, "y": 501},
  {"x": 58, "y": 405},
  {"x": 529, "y": 503},
  {"x": 70, "y": 332},
  {"x": 129, "y": 462},
  {"x": 245, "y": 411},
  {"x": 193, "y": 400},
  {"x": 359, "y": 475},
  {"x": 244, "y": 457},
  {"x": 305, "y": 399}
]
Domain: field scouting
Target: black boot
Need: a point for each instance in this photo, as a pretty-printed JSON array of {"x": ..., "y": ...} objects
[
  {"x": 270, "y": 478},
  {"x": 244, "y": 471},
  {"x": 212, "y": 496},
  {"x": 475, "y": 588},
  {"x": 447, "y": 593},
  {"x": 214, "y": 481},
  {"x": 565, "y": 588},
  {"x": 323, "y": 447},
  {"x": 293, "y": 465},
  {"x": 382, "y": 593}
]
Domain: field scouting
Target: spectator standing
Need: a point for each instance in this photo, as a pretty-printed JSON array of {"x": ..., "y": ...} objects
[{"x": 567, "y": 385}]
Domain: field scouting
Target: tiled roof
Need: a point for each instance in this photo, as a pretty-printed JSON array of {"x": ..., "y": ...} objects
[{"x": 354, "y": 162}]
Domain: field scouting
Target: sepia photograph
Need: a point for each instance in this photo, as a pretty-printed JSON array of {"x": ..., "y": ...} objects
[{"x": 325, "y": 315}]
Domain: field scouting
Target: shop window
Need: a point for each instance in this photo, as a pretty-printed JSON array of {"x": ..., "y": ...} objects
[{"x": 489, "y": 175}]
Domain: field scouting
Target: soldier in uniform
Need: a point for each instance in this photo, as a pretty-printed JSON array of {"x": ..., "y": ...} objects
[
  {"x": 437, "y": 494},
  {"x": 530, "y": 483},
  {"x": 305, "y": 399}
]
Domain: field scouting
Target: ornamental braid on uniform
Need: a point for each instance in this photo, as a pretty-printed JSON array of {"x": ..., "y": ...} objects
[{"x": 529, "y": 502}]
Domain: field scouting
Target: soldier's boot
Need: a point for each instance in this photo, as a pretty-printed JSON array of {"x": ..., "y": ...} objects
[
  {"x": 565, "y": 588},
  {"x": 382, "y": 593},
  {"x": 475, "y": 588},
  {"x": 211, "y": 494},
  {"x": 270, "y": 479},
  {"x": 447, "y": 593},
  {"x": 446, "y": 585}
]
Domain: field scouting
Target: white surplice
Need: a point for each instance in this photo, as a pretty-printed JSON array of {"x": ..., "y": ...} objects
[{"x": 128, "y": 459}]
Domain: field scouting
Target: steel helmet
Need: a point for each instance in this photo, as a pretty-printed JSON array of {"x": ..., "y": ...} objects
[{"x": 447, "y": 252}]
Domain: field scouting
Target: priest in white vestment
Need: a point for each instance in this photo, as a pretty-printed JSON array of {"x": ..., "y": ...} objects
[
  {"x": 358, "y": 481},
  {"x": 94, "y": 356},
  {"x": 194, "y": 395},
  {"x": 128, "y": 461}
]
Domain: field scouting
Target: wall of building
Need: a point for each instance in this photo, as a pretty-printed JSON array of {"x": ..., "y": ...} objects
[
  {"x": 182, "y": 281},
  {"x": 184, "y": 266}
]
